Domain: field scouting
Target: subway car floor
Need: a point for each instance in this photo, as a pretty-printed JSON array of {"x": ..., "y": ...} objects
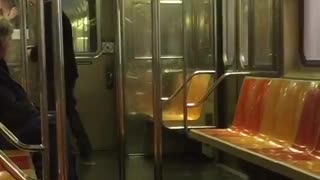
[{"x": 141, "y": 168}]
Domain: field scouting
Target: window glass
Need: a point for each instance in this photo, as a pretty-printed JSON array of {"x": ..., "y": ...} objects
[
  {"x": 83, "y": 17},
  {"x": 311, "y": 30},
  {"x": 228, "y": 31}
]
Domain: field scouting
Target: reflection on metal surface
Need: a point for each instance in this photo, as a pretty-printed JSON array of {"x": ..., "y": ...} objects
[
  {"x": 263, "y": 32},
  {"x": 10, "y": 137},
  {"x": 257, "y": 33},
  {"x": 120, "y": 65},
  {"x": 156, "y": 89},
  {"x": 58, "y": 51},
  {"x": 229, "y": 17},
  {"x": 171, "y": 30},
  {"x": 138, "y": 43},
  {"x": 244, "y": 32},
  {"x": 12, "y": 168},
  {"x": 43, "y": 93},
  {"x": 199, "y": 37}
]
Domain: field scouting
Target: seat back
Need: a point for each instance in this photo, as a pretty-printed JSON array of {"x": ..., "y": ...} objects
[
  {"x": 198, "y": 86},
  {"x": 309, "y": 126},
  {"x": 249, "y": 85},
  {"x": 272, "y": 95},
  {"x": 197, "y": 89},
  {"x": 316, "y": 149},
  {"x": 255, "y": 106},
  {"x": 289, "y": 110}
]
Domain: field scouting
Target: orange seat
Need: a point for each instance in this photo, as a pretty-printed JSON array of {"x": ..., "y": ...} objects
[
  {"x": 307, "y": 132},
  {"x": 173, "y": 111},
  {"x": 278, "y": 119},
  {"x": 264, "y": 108},
  {"x": 270, "y": 95},
  {"x": 22, "y": 160},
  {"x": 248, "y": 113}
]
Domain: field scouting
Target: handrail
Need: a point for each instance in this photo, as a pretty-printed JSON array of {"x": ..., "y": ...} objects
[
  {"x": 224, "y": 76},
  {"x": 176, "y": 92},
  {"x": 12, "y": 168},
  {"x": 96, "y": 56},
  {"x": 161, "y": 57},
  {"x": 30, "y": 47},
  {"x": 10, "y": 137}
]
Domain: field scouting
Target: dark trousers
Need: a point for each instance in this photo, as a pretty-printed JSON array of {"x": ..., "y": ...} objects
[
  {"x": 75, "y": 123},
  {"x": 31, "y": 134}
]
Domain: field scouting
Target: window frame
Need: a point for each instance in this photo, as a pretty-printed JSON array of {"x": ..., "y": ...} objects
[{"x": 305, "y": 62}]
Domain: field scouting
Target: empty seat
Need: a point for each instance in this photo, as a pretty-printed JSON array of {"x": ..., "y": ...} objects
[
  {"x": 306, "y": 136},
  {"x": 287, "y": 112},
  {"x": 197, "y": 89},
  {"x": 198, "y": 86},
  {"x": 248, "y": 114},
  {"x": 267, "y": 114},
  {"x": 278, "y": 121},
  {"x": 305, "y": 152},
  {"x": 250, "y": 89},
  {"x": 22, "y": 160},
  {"x": 268, "y": 97},
  {"x": 245, "y": 102}
]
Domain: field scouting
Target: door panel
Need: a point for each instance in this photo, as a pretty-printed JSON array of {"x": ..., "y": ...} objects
[{"x": 96, "y": 101}]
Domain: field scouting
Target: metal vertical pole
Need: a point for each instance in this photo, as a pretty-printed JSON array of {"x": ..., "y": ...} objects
[
  {"x": 185, "y": 66},
  {"x": 237, "y": 26},
  {"x": 43, "y": 96},
  {"x": 23, "y": 44},
  {"x": 120, "y": 89},
  {"x": 156, "y": 89},
  {"x": 219, "y": 94},
  {"x": 59, "y": 89}
]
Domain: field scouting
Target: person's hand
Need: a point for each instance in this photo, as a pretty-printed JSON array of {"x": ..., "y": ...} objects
[{"x": 12, "y": 13}]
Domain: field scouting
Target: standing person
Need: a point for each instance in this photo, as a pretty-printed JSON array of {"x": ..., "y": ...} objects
[
  {"x": 71, "y": 75},
  {"x": 19, "y": 114}
]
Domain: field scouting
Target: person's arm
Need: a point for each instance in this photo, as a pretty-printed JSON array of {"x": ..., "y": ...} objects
[{"x": 13, "y": 109}]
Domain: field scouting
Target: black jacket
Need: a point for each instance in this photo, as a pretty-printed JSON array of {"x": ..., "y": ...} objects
[
  {"x": 71, "y": 71},
  {"x": 16, "y": 110}
]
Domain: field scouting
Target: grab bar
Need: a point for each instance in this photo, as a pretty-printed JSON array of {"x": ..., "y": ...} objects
[
  {"x": 12, "y": 168},
  {"x": 184, "y": 84},
  {"x": 10, "y": 137},
  {"x": 96, "y": 56},
  {"x": 224, "y": 76}
]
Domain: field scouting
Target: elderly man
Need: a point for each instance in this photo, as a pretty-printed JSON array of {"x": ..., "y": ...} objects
[{"x": 19, "y": 114}]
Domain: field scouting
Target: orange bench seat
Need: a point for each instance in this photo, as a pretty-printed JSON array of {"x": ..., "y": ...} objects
[
  {"x": 278, "y": 119},
  {"x": 22, "y": 160}
]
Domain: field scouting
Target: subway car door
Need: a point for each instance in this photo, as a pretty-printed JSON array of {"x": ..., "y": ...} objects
[{"x": 94, "y": 89}]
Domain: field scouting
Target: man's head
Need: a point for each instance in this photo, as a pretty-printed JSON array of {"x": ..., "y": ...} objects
[{"x": 6, "y": 30}]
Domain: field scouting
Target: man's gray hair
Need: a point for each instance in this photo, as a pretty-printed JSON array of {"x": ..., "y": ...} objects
[{"x": 6, "y": 29}]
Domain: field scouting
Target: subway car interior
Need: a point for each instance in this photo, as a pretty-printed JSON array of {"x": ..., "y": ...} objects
[{"x": 172, "y": 89}]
